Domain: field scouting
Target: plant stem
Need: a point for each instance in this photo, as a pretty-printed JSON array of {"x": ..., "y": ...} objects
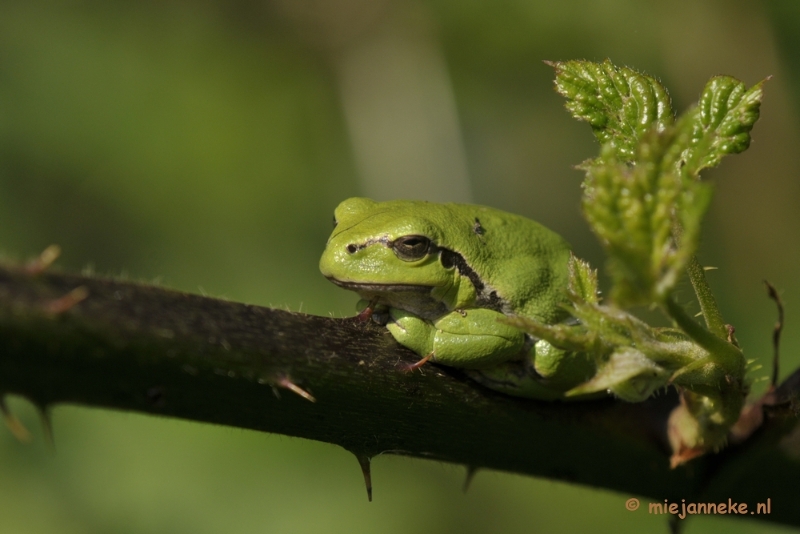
[
  {"x": 721, "y": 351},
  {"x": 708, "y": 304}
]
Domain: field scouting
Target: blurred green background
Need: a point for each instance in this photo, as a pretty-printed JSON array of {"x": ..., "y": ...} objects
[{"x": 205, "y": 144}]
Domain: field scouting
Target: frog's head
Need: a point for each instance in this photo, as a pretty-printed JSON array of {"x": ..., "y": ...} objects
[{"x": 381, "y": 250}]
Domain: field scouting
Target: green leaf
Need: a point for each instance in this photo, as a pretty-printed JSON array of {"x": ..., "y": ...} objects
[
  {"x": 582, "y": 282},
  {"x": 564, "y": 336},
  {"x": 628, "y": 374},
  {"x": 721, "y": 122},
  {"x": 635, "y": 209},
  {"x": 631, "y": 208},
  {"x": 619, "y": 103},
  {"x": 645, "y": 202},
  {"x": 611, "y": 325},
  {"x": 643, "y": 190}
]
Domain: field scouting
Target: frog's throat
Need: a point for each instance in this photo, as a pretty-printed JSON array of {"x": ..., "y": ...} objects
[
  {"x": 380, "y": 288},
  {"x": 487, "y": 296}
]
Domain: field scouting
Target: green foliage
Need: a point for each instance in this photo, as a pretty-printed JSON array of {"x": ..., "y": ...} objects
[
  {"x": 619, "y": 103},
  {"x": 582, "y": 282},
  {"x": 720, "y": 123},
  {"x": 644, "y": 200},
  {"x": 633, "y": 209},
  {"x": 644, "y": 186}
]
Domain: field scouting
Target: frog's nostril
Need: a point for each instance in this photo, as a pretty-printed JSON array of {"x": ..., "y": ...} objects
[{"x": 352, "y": 248}]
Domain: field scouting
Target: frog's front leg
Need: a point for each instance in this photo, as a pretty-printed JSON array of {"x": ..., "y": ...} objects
[{"x": 468, "y": 339}]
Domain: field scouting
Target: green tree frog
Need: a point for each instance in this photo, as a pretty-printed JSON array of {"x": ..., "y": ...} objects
[{"x": 441, "y": 277}]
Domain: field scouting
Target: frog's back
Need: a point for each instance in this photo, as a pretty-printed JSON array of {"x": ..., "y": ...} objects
[{"x": 522, "y": 265}]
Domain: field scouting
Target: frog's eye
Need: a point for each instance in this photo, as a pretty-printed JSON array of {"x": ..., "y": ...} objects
[{"x": 411, "y": 247}]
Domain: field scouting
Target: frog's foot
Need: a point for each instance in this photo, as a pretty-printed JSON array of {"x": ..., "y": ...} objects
[{"x": 411, "y": 366}]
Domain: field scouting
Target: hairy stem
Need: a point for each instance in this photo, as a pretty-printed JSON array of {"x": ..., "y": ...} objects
[
  {"x": 726, "y": 354},
  {"x": 708, "y": 304}
]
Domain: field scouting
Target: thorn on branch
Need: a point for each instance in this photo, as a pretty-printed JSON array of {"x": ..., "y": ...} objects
[
  {"x": 16, "y": 427},
  {"x": 366, "y": 314},
  {"x": 364, "y": 462},
  {"x": 46, "y": 417},
  {"x": 471, "y": 470},
  {"x": 286, "y": 383},
  {"x": 408, "y": 367},
  {"x": 67, "y": 302},
  {"x": 44, "y": 261}
]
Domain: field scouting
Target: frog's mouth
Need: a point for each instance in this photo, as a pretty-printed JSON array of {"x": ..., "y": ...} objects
[{"x": 380, "y": 288}]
